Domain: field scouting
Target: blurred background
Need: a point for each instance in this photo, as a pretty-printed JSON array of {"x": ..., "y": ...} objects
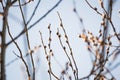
[{"x": 71, "y": 21}]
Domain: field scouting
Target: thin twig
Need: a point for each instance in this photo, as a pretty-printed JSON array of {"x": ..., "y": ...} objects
[
  {"x": 68, "y": 43},
  {"x": 28, "y": 42},
  {"x": 50, "y": 51},
  {"x": 48, "y": 59},
  {"x": 21, "y": 56},
  {"x": 23, "y": 4},
  {"x": 41, "y": 18},
  {"x": 66, "y": 53},
  {"x": 33, "y": 14},
  {"x": 95, "y": 9}
]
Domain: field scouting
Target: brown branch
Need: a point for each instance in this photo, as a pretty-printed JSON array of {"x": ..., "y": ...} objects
[
  {"x": 50, "y": 51},
  {"x": 66, "y": 53},
  {"x": 28, "y": 42},
  {"x": 3, "y": 48},
  {"x": 12, "y": 61},
  {"x": 21, "y": 56},
  {"x": 31, "y": 26},
  {"x": 48, "y": 56},
  {"x": 23, "y": 4},
  {"x": 114, "y": 30},
  {"x": 94, "y": 8},
  {"x": 24, "y": 56},
  {"x": 68, "y": 43}
]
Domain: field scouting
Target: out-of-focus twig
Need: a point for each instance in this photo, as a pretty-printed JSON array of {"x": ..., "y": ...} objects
[{"x": 33, "y": 14}]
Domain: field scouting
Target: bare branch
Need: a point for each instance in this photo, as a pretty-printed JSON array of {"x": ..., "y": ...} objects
[
  {"x": 23, "y": 31},
  {"x": 21, "y": 56}
]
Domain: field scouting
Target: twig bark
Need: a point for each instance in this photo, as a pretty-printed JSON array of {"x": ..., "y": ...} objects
[{"x": 3, "y": 49}]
